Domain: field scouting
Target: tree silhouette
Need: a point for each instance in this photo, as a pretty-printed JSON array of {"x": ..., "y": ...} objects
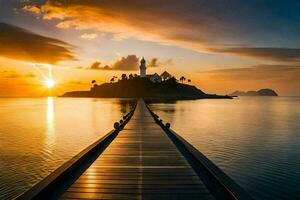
[
  {"x": 112, "y": 79},
  {"x": 130, "y": 76},
  {"x": 94, "y": 83},
  {"x": 124, "y": 77},
  {"x": 189, "y": 80},
  {"x": 182, "y": 79}
]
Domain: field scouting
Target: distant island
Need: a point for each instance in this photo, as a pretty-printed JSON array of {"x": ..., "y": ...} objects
[
  {"x": 152, "y": 86},
  {"x": 140, "y": 87},
  {"x": 261, "y": 92}
]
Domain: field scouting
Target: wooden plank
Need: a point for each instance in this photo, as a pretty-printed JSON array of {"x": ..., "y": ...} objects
[
  {"x": 146, "y": 160},
  {"x": 154, "y": 196},
  {"x": 141, "y": 163},
  {"x": 145, "y": 186}
]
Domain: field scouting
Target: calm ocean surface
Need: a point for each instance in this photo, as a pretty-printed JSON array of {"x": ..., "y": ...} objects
[
  {"x": 39, "y": 135},
  {"x": 255, "y": 140}
]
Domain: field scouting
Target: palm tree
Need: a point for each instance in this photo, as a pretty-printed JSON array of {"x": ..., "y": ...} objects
[
  {"x": 124, "y": 77},
  {"x": 94, "y": 83},
  {"x": 182, "y": 79}
]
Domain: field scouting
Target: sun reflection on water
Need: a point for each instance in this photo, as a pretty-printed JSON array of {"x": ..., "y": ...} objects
[{"x": 50, "y": 128}]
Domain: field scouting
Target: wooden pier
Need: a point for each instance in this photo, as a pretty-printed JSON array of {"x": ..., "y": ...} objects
[{"x": 142, "y": 159}]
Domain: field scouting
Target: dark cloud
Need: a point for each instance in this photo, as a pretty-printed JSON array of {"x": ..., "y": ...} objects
[
  {"x": 129, "y": 63},
  {"x": 20, "y": 44},
  {"x": 154, "y": 63},
  {"x": 106, "y": 67},
  {"x": 96, "y": 65},
  {"x": 273, "y": 54},
  {"x": 206, "y": 26}
]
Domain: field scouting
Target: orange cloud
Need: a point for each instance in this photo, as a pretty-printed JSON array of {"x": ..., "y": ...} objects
[
  {"x": 32, "y": 9},
  {"x": 199, "y": 25},
  {"x": 142, "y": 20},
  {"x": 20, "y": 44},
  {"x": 88, "y": 36}
]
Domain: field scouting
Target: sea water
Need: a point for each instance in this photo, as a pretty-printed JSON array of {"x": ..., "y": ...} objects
[
  {"x": 37, "y": 135},
  {"x": 255, "y": 140}
]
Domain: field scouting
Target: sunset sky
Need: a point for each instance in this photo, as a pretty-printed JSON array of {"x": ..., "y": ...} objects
[{"x": 222, "y": 46}]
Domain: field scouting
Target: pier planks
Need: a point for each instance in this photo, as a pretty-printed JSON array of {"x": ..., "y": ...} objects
[{"x": 140, "y": 163}]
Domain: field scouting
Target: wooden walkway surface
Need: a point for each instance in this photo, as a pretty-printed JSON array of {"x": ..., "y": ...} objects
[{"x": 140, "y": 163}]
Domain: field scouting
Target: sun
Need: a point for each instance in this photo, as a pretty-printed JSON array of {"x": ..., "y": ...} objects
[{"x": 50, "y": 83}]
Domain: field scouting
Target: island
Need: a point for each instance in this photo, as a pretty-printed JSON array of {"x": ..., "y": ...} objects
[
  {"x": 139, "y": 87},
  {"x": 261, "y": 92},
  {"x": 148, "y": 86}
]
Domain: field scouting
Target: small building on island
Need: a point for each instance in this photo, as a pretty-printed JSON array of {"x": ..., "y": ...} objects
[
  {"x": 165, "y": 75},
  {"x": 155, "y": 78}
]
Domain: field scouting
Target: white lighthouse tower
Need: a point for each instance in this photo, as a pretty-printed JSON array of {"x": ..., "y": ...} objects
[{"x": 143, "y": 68}]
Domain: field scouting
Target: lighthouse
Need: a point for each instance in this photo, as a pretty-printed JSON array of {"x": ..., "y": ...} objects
[{"x": 143, "y": 68}]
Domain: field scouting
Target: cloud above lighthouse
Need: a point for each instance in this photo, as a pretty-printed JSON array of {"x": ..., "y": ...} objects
[
  {"x": 128, "y": 63},
  {"x": 230, "y": 27}
]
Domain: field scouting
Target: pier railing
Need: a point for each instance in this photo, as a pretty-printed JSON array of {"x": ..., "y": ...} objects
[
  {"x": 211, "y": 174},
  {"x": 217, "y": 182},
  {"x": 58, "y": 181}
]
